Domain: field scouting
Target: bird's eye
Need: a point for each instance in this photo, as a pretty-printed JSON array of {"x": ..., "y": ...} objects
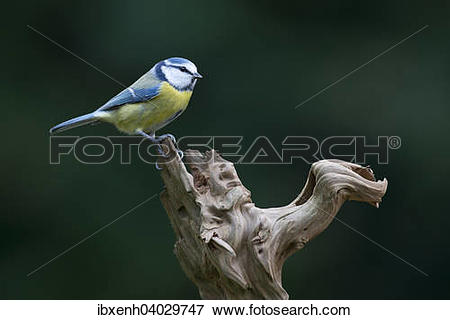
[{"x": 184, "y": 69}]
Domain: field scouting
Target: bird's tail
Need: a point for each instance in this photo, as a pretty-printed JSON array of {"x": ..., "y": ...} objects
[{"x": 75, "y": 122}]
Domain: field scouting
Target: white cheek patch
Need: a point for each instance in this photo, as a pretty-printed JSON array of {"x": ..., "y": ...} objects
[{"x": 176, "y": 77}]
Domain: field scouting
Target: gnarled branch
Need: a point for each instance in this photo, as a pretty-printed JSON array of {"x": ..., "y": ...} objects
[{"x": 232, "y": 249}]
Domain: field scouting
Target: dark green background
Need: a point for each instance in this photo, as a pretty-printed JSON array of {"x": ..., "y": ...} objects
[{"x": 259, "y": 59}]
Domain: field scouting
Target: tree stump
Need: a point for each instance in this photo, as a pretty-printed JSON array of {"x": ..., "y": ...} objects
[{"x": 232, "y": 249}]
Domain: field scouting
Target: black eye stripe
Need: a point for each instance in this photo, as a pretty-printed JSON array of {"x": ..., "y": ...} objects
[{"x": 183, "y": 69}]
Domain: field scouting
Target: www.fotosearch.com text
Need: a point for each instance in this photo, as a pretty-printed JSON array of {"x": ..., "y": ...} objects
[{"x": 258, "y": 150}]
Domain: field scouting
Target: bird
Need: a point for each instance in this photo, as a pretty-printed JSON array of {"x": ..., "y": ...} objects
[{"x": 157, "y": 98}]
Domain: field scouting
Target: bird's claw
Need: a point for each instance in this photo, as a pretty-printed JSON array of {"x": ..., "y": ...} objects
[
  {"x": 158, "y": 140},
  {"x": 166, "y": 155},
  {"x": 161, "y": 151},
  {"x": 167, "y": 135}
]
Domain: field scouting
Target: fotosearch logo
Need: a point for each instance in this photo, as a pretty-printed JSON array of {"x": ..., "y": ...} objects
[{"x": 260, "y": 150}]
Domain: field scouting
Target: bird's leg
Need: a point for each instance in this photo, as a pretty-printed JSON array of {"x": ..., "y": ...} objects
[
  {"x": 156, "y": 141},
  {"x": 150, "y": 137}
]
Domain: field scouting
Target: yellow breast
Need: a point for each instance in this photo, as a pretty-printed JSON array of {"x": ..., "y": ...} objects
[{"x": 151, "y": 115}]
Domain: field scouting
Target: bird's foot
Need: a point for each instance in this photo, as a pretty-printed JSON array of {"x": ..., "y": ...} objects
[
  {"x": 167, "y": 135},
  {"x": 158, "y": 140},
  {"x": 174, "y": 140}
]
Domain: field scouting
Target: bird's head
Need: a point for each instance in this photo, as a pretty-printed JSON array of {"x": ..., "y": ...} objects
[{"x": 178, "y": 72}]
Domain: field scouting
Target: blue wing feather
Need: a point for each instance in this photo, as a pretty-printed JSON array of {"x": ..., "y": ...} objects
[{"x": 131, "y": 96}]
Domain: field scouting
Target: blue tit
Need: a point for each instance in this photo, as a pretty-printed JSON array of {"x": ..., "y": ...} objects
[{"x": 149, "y": 104}]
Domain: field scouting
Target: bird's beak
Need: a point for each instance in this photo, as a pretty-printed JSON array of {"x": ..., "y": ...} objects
[{"x": 198, "y": 75}]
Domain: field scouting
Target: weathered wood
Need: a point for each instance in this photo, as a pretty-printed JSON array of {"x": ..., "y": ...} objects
[{"x": 232, "y": 249}]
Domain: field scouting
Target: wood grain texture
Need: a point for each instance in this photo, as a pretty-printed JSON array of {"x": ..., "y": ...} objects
[{"x": 232, "y": 249}]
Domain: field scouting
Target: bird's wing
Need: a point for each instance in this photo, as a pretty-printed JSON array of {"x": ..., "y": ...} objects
[{"x": 131, "y": 95}]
